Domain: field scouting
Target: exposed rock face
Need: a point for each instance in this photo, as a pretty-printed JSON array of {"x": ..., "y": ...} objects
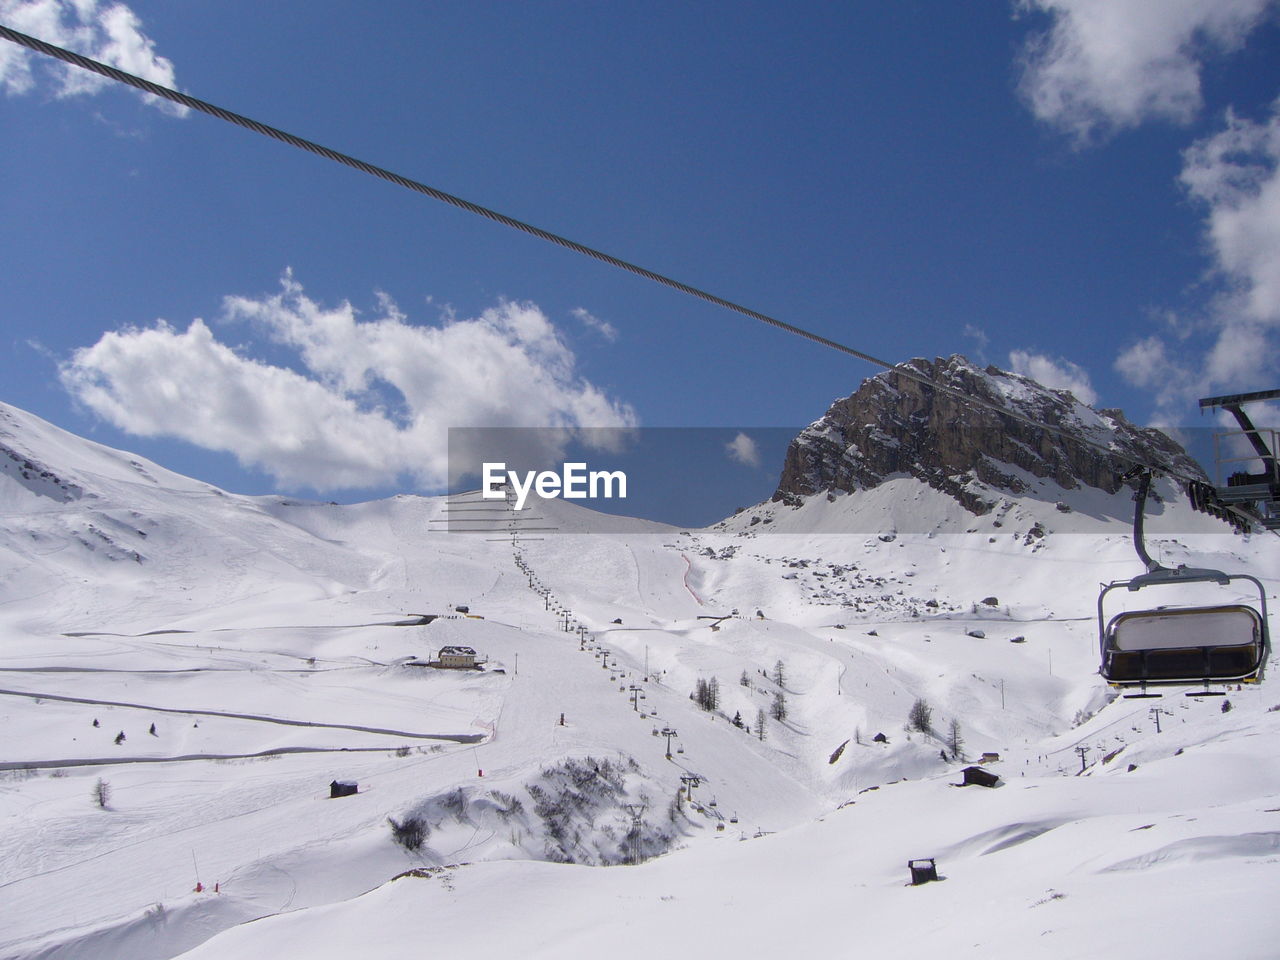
[{"x": 896, "y": 425}]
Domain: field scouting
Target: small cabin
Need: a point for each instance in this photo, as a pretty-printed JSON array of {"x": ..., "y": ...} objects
[
  {"x": 990, "y": 758},
  {"x": 343, "y": 788},
  {"x": 922, "y": 870},
  {"x": 458, "y": 657},
  {"x": 978, "y": 776}
]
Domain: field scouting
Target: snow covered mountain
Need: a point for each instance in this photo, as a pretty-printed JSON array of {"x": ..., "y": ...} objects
[
  {"x": 896, "y": 425},
  {"x": 251, "y": 650}
]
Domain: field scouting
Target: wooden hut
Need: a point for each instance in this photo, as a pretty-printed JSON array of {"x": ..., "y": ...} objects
[
  {"x": 983, "y": 778},
  {"x": 343, "y": 788},
  {"x": 922, "y": 870}
]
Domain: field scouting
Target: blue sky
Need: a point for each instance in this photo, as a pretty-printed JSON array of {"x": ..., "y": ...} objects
[{"x": 1083, "y": 191}]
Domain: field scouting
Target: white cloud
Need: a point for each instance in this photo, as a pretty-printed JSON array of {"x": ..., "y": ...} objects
[
  {"x": 980, "y": 341},
  {"x": 1241, "y": 356},
  {"x": 110, "y": 33},
  {"x": 1106, "y": 65},
  {"x": 1146, "y": 363},
  {"x": 602, "y": 327},
  {"x": 744, "y": 450},
  {"x": 371, "y": 402},
  {"x": 1056, "y": 374},
  {"x": 1235, "y": 175}
]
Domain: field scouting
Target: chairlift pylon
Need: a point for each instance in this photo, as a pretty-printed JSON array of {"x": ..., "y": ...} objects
[{"x": 1180, "y": 645}]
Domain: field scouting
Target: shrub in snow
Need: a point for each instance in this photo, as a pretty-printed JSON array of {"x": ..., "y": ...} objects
[
  {"x": 576, "y": 813},
  {"x": 456, "y": 803},
  {"x": 506, "y": 805},
  {"x": 410, "y": 832}
]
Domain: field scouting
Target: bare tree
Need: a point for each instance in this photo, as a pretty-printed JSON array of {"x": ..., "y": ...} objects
[
  {"x": 760, "y": 722},
  {"x": 780, "y": 674},
  {"x": 955, "y": 742},
  {"x": 102, "y": 793},
  {"x": 920, "y": 717},
  {"x": 778, "y": 709},
  {"x": 706, "y": 693}
]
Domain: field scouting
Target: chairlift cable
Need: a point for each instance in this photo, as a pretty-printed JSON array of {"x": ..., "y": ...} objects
[{"x": 202, "y": 106}]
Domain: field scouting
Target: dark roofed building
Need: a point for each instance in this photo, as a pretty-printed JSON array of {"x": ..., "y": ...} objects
[
  {"x": 983, "y": 778},
  {"x": 343, "y": 788}
]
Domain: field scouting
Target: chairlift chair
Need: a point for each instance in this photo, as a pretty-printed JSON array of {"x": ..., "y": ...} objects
[
  {"x": 1222, "y": 643},
  {"x": 1180, "y": 645}
]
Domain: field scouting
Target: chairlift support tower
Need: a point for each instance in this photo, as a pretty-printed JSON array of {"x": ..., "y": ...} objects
[{"x": 1257, "y": 491}]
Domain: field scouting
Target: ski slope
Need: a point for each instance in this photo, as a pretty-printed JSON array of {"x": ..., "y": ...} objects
[{"x": 275, "y": 645}]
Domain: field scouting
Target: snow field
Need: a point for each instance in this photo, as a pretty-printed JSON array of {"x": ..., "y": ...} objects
[{"x": 1109, "y": 863}]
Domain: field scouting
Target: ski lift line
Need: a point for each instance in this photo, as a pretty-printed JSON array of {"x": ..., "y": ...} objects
[
  {"x": 202, "y": 106},
  {"x": 506, "y": 538},
  {"x": 275, "y": 133}
]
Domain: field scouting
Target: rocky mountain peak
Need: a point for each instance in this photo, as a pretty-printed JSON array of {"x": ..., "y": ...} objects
[{"x": 896, "y": 425}]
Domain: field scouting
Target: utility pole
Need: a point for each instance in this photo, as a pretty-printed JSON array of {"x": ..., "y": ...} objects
[
  {"x": 668, "y": 732},
  {"x": 1082, "y": 750},
  {"x": 1155, "y": 715},
  {"x": 637, "y": 694},
  {"x": 1002, "y": 693},
  {"x": 633, "y": 835}
]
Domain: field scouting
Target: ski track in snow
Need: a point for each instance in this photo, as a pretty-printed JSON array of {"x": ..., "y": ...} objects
[{"x": 455, "y": 737}]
